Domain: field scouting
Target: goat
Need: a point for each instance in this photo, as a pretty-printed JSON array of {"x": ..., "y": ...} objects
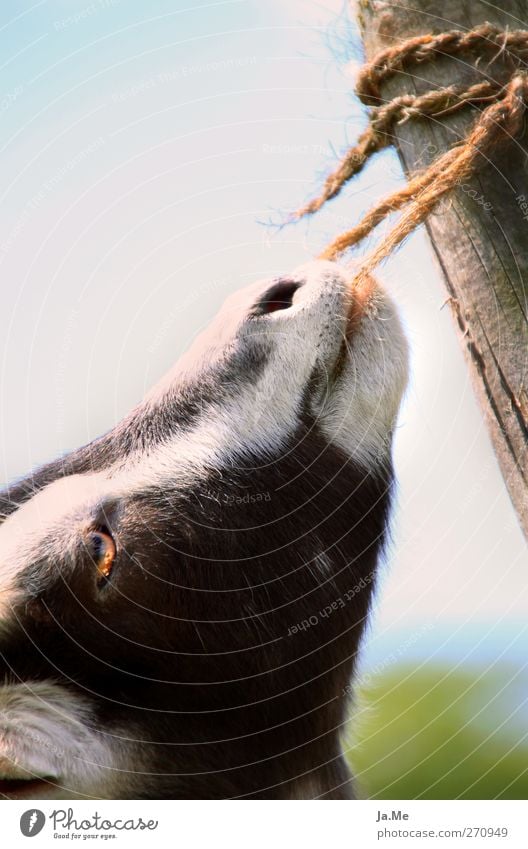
[{"x": 182, "y": 600}]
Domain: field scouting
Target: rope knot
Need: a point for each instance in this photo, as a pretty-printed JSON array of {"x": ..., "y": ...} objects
[{"x": 503, "y": 115}]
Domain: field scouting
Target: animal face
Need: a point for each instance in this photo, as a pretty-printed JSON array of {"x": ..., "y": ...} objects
[{"x": 181, "y": 600}]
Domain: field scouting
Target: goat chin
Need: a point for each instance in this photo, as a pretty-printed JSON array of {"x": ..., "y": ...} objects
[{"x": 182, "y": 600}]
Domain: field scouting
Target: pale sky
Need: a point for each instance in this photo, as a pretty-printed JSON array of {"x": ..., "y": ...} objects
[{"x": 143, "y": 146}]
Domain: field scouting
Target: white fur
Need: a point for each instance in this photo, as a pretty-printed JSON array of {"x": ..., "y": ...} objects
[
  {"x": 361, "y": 413},
  {"x": 45, "y": 732}
]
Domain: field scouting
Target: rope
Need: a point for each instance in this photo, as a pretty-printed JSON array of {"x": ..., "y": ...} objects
[
  {"x": 379, "y": 132},
  {"x": 504, "y": 116}
]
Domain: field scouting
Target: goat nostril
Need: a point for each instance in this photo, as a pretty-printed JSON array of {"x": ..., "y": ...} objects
[{"x": 278, "y": 297}]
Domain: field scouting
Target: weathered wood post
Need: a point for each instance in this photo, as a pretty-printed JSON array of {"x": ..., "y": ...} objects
[{"x": 480, "y": 235}]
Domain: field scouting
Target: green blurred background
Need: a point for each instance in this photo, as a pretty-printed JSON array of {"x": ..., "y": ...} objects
[{"x": 443, "y": 729}]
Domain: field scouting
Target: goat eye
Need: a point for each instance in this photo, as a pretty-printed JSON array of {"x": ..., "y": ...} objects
[{"x": 103, "y": 552}]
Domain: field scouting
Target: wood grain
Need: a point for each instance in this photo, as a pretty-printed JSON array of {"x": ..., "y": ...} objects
[{"x": 480, "y": 235}]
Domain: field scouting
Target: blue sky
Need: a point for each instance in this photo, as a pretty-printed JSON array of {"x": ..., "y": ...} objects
[{"x": 143, "y": 146}]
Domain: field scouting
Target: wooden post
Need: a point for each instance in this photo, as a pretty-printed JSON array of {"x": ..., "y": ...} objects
[{"x": 480, "y": 235}]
